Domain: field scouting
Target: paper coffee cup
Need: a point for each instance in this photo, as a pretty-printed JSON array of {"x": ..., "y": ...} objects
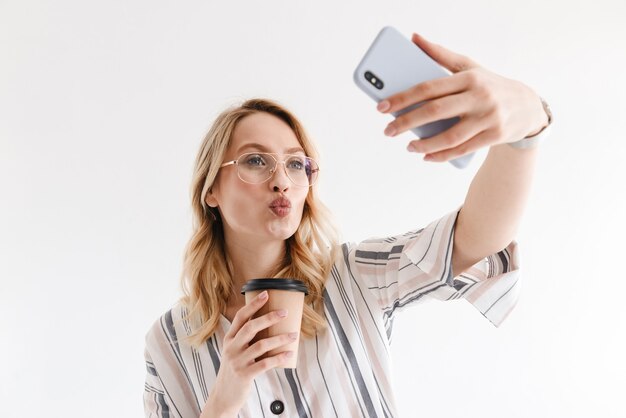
[{"x": 283, "y": 294}]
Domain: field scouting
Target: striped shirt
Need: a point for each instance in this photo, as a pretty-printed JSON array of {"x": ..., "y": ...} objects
[{"x": 345, "y": 371}]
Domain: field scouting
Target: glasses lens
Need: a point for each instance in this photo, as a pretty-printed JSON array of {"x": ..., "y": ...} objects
[
  {"x": 301, "y": 170},
  {"x": 255, "y": 167}
]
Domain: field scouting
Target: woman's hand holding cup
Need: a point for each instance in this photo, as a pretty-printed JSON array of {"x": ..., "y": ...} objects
[{"x": 238, "y": 367}]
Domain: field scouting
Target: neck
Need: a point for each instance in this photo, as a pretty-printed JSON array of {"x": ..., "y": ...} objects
[{"x": 252, "y": 260}]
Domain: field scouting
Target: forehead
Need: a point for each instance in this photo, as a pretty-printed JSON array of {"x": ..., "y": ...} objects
[{"x": 266, "y": 130}]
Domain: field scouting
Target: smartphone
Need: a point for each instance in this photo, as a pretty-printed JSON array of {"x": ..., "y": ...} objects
[{"x": 393, "y": 63}]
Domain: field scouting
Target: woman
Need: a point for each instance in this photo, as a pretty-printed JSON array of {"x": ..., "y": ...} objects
[{"x": 257, "y": 215}]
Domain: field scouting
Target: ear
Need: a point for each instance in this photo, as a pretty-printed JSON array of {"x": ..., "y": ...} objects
[{"x": 210, "y": 200}]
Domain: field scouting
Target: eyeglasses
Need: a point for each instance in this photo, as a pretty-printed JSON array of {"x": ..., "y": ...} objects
[{"x": 259, "y": 167}]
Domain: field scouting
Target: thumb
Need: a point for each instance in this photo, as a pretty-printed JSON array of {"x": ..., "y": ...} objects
[{"x": 450, "y": 60}]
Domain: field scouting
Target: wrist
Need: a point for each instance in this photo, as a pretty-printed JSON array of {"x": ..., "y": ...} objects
[
  {"x": 545, "y": 121},
  {"x": 535, "y": 137}
]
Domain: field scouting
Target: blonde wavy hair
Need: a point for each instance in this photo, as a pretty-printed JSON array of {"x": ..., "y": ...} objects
[{"x": 206, "y": 277}]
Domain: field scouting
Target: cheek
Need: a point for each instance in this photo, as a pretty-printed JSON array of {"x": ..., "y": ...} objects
[
  {"x": 241, "y": 203},
  {"x": 301, "y": 201}
]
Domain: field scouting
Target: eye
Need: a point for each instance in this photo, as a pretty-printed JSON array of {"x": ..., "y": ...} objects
[
  {"x": 296, "y": 163},
  {"x": 254, "y": 160}
]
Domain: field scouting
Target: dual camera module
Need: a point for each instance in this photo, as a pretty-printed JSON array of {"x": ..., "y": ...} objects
[{"x": 375, "y": 81}]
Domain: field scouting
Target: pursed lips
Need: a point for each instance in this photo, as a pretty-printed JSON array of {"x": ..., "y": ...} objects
[
  {"x": 281, "y": 207},
  {"x": 281, "y": 202}
]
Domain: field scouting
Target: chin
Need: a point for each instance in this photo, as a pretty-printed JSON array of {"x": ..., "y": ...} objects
[
  {"x": 283, "y": 231},
  {"x": 283, "y": 234}
]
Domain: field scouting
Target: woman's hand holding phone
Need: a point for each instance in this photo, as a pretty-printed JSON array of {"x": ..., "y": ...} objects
[
  {"x": 238, "y": 367},
  {"x": 492, "y": 109}
]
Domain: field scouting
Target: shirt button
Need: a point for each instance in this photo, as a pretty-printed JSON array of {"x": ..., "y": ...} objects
[{"x": 277, "y": 407}]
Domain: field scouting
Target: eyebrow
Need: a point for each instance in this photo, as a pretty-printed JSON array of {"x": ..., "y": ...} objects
[{"x": 265, "y": 149}]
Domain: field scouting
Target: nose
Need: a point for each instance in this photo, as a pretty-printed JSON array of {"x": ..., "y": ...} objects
[{"x": 279, "y": 181}]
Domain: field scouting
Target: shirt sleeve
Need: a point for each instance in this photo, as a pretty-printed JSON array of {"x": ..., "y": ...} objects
[
  {"x": 403, "y": 270},
  {"x": 154, "y": 399},
  {"x": 169, "y": 390}
]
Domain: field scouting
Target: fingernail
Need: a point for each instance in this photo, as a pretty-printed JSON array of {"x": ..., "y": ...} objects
[
  {"x": 428, "y": 157},
  {"x": 390, "y": 130},
  {"x": 293, "y": 335},
  {"x": 383, "y": 106},
  {"x": 288, "y": 353},
  {"x": 263, "y": 295},
  {"x": 410, "y": 148},
  {"x": 282, "y": 313}
]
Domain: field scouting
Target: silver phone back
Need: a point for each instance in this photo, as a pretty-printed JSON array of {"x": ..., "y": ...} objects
[{"x": 400, "y": 64}]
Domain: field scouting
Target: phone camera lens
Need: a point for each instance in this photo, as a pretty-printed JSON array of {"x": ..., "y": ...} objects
[{"x": 375, "y": 81}]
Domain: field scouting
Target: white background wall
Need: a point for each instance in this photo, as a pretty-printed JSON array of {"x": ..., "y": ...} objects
[{"x": 104, "y": 104}]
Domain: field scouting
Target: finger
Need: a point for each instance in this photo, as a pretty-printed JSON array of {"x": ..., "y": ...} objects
[
  {"x": 481, "y": 140},
  {"x": 270, "y": 362},
  {"x": 431, "y": 111},
  {"x": 452, "y": 137},
  {"x": 426, "y": 90},
  {"x": 244, "y": 314},
  {"x": 451, "y": 60},
  {"x": 252, "y": 327},
  {"x": 265, "y": 345}
]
